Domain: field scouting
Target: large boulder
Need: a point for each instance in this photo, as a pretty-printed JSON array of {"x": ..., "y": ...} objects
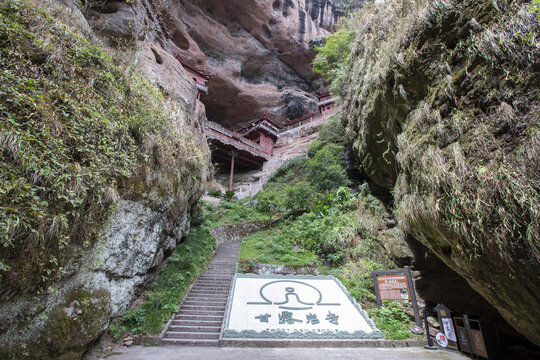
[
  {"x": 443, "y": 110},
  {"x": 57, "y": 297}
]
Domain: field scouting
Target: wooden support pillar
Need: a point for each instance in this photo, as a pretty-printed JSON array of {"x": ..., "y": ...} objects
[{"x": 233, "y": 154}]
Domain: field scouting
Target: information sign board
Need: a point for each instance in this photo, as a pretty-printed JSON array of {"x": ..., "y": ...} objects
[
  {"x": 393, "y": 287},
  {"x": 396, "y": 285}
]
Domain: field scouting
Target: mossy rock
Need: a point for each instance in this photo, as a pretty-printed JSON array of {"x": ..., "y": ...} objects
[{"x": 77, "y": 322}]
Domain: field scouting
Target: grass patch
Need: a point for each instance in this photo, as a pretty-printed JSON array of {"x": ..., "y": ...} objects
[
  {"x": 230, "y": 212},
  {"x": 392, "y": 321},
  {"x": 268, "y": 247},
  {"x": 356, "y": 277},
  {"x": 188, "y": 261}
]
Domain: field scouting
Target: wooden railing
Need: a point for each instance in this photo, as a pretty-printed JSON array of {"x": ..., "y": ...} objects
[{"x": 216, "y": 131}]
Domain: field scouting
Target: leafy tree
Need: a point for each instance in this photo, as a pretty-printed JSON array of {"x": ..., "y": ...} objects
[
  {"x": 268, "y": 202},
  {"x": 300, "y": 197},
  {"x": 333, "y": 56},
  {"x": 325, "y": 170}
]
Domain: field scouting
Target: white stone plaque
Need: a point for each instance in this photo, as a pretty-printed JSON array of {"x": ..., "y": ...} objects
[{"x": 295, "y": 307}]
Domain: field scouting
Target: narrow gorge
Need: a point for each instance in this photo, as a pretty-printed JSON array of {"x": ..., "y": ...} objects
[{"x": 325, "y": 137}]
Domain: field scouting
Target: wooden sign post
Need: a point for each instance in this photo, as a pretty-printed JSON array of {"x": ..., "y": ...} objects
[
  {"x": 396, "y": 285},
  {"x": 447, "y": 326}
]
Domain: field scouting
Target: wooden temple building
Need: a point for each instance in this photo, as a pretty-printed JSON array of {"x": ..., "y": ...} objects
[
  {"x": 245, "y": 149},
  {"x": 198, "y": 75},
  {"x": 251, "y": 146},
  {"x": 327, "y": 103}
]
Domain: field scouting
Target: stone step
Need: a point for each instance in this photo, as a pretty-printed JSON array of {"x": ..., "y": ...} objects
[
  {"x": 210, "y": 289},
  {"x": 209, "y": 293},
  {"x": 208, "y": 298},
  {"x": 216, "y": 323},
  {"x": 221, "y": 271},
  {"x": 213, "y": 295},
  {"x": 199, "y": 320},
  {"x": 213, "y": 283},
  {"x": 203, "y": 307},
  {"x": 195, "y": 328},
  {"x": 195, "y": 297},
  {"x": 205, "y": 286},
  {"x": 196, "y": 302},
  {"x": 213, "y": 287},
  {"x": 201, "y": 317},
  {"x": 190, "y": 342},
  {"x": 225, "y": 264},
  {"x": 191, "y": 335},
  {"x": 201, "y": 312}
]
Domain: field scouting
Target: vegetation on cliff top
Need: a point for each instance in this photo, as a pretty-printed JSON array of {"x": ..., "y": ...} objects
[{"x": 79, "y": 128}]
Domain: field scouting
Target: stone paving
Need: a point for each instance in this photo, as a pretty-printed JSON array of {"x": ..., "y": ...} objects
[{"x": 216, "y": 353}]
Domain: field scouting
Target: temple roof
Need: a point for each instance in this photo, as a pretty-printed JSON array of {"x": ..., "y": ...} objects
[{"x": 187, "y": 65}]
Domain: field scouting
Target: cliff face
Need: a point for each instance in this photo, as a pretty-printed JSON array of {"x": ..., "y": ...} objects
[
  {"x": 257, "y": 51},
  {"x": 101, "y": 167},
  {"x": 443, "y": 109}
]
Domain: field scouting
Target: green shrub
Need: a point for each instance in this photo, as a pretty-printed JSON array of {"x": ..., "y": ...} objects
[
  {"x": 325, "y": 171},
  {"x": 228, "y": 195},
  {"x": 393, "y": 322},
  {"x": 268, "y": 202},
  {"x": 300, "y": 197}
]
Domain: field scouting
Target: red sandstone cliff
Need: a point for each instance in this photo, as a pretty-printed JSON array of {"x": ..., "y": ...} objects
[{"x": 258, "y": 51}]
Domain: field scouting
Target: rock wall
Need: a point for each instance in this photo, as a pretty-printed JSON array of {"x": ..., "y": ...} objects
[
  {"x": 257, "y": 51},
  {"x": 236, "y": 232},
  {"x": 443, "y": 109},
  {"x": 149, "y": 214}
]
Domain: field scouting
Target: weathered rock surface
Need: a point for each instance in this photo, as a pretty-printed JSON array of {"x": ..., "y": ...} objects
[
  {"x": 443, "y": 109},
  {"x": 150, "y": 214},
  {"x": 257, "y": 51},
  {"x": 236, "y": 232}
]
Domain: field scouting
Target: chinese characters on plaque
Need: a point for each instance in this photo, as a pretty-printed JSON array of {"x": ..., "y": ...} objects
[{"x": 291, "y": 305}]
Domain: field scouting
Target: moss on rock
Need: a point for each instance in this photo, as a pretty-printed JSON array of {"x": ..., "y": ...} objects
[
  {"x": 443, "y": 108},
  {"x": 76, "y": 323}
]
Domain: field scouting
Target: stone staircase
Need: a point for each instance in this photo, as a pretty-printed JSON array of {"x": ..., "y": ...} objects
[{"x": 200, "y": 316}]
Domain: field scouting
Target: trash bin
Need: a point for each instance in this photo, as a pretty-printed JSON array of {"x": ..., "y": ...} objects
[
  {"x": 483, "y": 339},
  {"x": 463, "y": 338}
]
